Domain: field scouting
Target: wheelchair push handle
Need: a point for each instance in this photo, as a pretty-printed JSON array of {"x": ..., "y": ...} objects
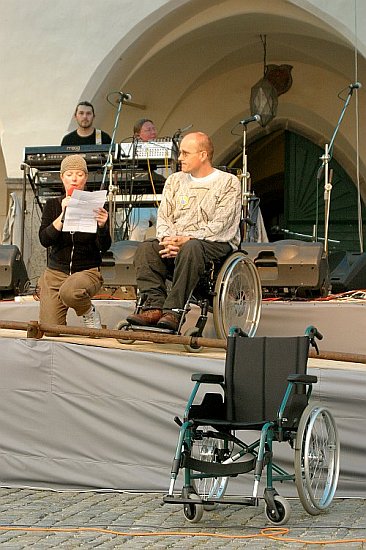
[
  {"x": 313, "y": 332},
  {"x": 237, "y": 331}
]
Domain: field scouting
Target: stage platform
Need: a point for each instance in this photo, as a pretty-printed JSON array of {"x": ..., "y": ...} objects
[
  {"x": 342, "y": 322},
  {"x": 84, "y": 413}
]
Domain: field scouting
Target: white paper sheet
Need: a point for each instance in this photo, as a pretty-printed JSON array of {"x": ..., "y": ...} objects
[{"x": 80, "y": 212}]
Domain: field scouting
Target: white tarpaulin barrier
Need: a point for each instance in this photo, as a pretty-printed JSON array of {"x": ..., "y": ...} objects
[{"x": 82, "y": 416}]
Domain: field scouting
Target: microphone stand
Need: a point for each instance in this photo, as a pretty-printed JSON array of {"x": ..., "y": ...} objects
[
  {"x": 132, "y": 173},
  {"x": 27, "y": 176},
  {"x": 176, "y": 139},
  {"x": 112, "y": 189},
  {"x": 245, "y": 188},
  {"x": 288, "y": 232},
  {"x": 326, "y": 157},
  {"x": 108, "y": 167}
]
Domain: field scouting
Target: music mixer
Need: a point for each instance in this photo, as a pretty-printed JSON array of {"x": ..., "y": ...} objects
[{"x": 160, "y": 149}]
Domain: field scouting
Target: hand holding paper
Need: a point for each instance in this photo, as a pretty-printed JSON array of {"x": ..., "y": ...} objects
[{"x": 80, "y": 213}]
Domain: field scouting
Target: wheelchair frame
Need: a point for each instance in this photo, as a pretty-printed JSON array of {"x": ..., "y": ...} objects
[
  {"x": 209, "y": 447},
  {"x": 232, "y": 292}
]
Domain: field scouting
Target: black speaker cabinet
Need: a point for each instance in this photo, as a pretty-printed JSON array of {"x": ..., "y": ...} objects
[
  {"x": 350, "y": 273},
  {"x": 290, "y": 268},
  {"x": 13, "y": 274},
  {"x": 117, "y": 267}
]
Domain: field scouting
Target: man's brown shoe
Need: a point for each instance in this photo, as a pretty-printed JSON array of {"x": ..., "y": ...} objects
[
  {"x": 169, "y": 320},
  {"x": 149, "y": 317}
]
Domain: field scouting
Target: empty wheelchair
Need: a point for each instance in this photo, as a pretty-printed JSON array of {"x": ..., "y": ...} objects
[
  {"x": 230, "y": 290},
  {"x": 265, "y": 389}
]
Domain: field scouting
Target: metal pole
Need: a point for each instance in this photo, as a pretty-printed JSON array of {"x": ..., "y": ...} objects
[{"x": 36, "y": 330}]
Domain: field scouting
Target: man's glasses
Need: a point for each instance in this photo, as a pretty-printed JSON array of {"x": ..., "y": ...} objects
[{"x": 185, "y": 154}]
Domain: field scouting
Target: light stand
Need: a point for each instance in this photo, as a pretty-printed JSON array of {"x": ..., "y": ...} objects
[{"x": 326, "y": 158}]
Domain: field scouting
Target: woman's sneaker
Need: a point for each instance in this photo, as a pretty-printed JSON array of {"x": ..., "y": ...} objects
[{"x": 91, "y": 318}]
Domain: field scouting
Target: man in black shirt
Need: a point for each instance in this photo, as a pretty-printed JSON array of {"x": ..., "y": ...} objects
[{"x": 85, "y": 134}]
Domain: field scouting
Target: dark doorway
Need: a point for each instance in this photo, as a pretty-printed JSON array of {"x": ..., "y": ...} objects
[{"x": 283, "y": 167}]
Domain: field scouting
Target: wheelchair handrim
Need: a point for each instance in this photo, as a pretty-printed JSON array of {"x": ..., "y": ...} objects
[{"x": 241, "y": 291}]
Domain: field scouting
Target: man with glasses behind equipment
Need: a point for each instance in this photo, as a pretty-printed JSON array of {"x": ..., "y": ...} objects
[
  {"x": 198, "y": 221},
  {"x": 143, "y": 218}
]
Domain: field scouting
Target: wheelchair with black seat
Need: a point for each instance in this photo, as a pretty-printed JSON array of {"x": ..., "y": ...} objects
[
  {"x": 230, "y": 290},
  {"x": 265, "y": 389}
]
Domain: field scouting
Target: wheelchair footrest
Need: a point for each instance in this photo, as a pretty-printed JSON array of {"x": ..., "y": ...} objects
[
  {"x": 218, "y": 469},
  {"x": 151, "y": 329},
  {"x": 245, "y": 501}
]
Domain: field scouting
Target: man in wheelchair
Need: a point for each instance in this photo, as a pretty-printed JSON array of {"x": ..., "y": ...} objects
[{"x": 198, "y": 222}]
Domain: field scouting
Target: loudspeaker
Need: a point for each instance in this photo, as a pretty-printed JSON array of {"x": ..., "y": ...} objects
[
  {"x": 350, "y": 273},
  {"x": 117, "y": 265},
  {"x": 290, "y": 267},
  {"x": 13, "y": 274}
]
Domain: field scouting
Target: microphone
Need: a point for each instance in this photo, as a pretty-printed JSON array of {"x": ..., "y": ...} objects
[
  {"x": 355, "y": 86},
  {"x": 69, "y": 192},
  {"x": 254, "y": 118},
  {"x": 276, "y": 229},
  {"x": 181, "y": 131},
  {"x": 125, "y": 96}
]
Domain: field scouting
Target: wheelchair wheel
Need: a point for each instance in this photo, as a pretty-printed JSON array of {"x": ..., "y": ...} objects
[
  {"x": 193, "y": 512},
  {"x": 238, "y": 296},
  {"x": 283, "y": 510},
  {"x": 123, "y": 325},
  {"x": 316, "y": 459},
  {"x": 210, "y": 449}
]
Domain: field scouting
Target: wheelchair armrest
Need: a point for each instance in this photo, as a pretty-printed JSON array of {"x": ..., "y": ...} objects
[
  {"x": 208, "y": 378},
  {"x": 302, "y": 378}
]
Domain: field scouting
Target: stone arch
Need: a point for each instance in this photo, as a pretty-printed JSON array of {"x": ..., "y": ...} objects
[{"x": 201, "y": 69}]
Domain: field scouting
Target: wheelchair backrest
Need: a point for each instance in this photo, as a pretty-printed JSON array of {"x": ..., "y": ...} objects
[{"x": 256, "y": 372}]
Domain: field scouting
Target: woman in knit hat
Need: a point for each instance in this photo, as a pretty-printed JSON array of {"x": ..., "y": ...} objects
[{"x": 72, "y": 276}]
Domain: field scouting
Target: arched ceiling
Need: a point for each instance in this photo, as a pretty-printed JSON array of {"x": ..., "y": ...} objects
[{"x": 197, "y": 63}]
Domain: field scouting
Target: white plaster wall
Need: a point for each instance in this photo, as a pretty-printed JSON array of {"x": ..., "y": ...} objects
[
  {"x": 49, "y": 50},
  {"x": 54, "y": 52},
  {"x": 347, "y": 16}
]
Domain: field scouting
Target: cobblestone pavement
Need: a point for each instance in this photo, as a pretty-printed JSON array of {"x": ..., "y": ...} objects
[{"x": 46, "y": 519}]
